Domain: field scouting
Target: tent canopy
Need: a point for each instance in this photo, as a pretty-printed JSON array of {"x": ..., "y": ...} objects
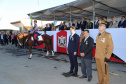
[
  {"x": 81, "y": 8},
  {"x": 7, "y": 26}
]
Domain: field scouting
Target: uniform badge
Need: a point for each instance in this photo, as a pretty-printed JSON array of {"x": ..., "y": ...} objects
[
  {"x": 103, "y": 39},
  {"x": 110, "y": 36},
  {"x": 86, "y": 42},
  {"x": 72, "y": 38}
]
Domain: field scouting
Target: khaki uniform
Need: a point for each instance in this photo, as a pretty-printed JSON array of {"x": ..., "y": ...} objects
[
  {"x": 52, "y": 28},
  {"x": 104, "y": 48},
  {"x": 81, "y": 37},
  {"x": 65, "y": 27}
]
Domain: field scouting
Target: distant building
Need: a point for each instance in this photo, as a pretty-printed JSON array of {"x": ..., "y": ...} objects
[{"x": 24, "y": 25}]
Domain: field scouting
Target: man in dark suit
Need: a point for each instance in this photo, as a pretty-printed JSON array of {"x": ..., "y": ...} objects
[
  {"x": 15, "y": 40},
  {"x": 68, "y": 27},
  {"x": 122, "y": 23},
  {"x": 86, "y": 56},
  {"x": 50, "y": 27},
  {"x": 106, "y": 22},
  {"x": 46, "y": 28},
  {"x": 96, "y": 23},
  {"x": 61, "y": 27},
  {"x": 2, "y": 38},
  {"x": 83, "y": 24},
  {"x": 5, "y": 38},
  {"x": 72, "y": 50},
  {"x": 89, "y": 24},
  {"x": 76, "y": 24}
]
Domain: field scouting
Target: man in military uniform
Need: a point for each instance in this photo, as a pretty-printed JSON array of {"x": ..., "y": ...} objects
[
  {"x": 81, "y": 36},
  {"x": 72, "y": 50},
  {"x": 89, "y": 24},
  {"x": 104, "y": 49}
]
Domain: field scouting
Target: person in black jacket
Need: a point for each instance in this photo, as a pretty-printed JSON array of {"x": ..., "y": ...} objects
[
  {"x": 46, "y": 28},
  {"x": 15, "y": 40},
  {"x": 122, "y": 23},
  {"x": 83, "y": 24},
  {"x": 72, "y": 50},
  {"x": 50, "y": 27},
  {"x": 61, "y": 27},
  {"x": 86, "y": 56},
  {"x": 2, "y": 38},
  {"x": 96, "y": 23},
  {"x": 68, "y": 28},
  {"x": 89, "y": 24},
  {"x": 5, "y": 39},
  {"x": 10, "y": 38},
  {"x": 76, "y": 24},
  {"x": 106, "y": 22}
]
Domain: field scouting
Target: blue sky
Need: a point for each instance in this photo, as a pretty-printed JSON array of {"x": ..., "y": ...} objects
[{"x": 13, "y": 10}]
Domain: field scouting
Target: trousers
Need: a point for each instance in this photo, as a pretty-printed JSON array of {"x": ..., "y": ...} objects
[{"x": 102, "y": 69}]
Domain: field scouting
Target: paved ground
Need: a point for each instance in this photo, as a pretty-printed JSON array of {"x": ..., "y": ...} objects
[{"x": 16, "y": 68}]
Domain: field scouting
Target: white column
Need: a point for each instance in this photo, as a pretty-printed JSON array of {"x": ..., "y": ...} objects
[{"x": 93, "y": 12}]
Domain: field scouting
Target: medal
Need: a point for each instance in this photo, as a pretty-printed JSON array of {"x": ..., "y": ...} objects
[
  {"x": 103, "y": 39},
  {"x": 72, "y": 38},
  {"x": 86, "y": 42}
]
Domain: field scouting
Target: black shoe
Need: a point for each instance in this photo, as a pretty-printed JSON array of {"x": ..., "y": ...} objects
[
  {"x": 35, "y": 42},
  {"x": 81, "y": 77},
  {"x": 69, "y": 73},
  {"x": 89, "y": 80},
  {"x": 75, "y": 75}
]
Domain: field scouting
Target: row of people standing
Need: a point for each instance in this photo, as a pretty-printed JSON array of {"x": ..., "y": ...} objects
[
  {"x": 6, "y": 38},
  {"x": 111, "y": 24},
  {"x": 104, "y": 49},
  {"x": 89, "y": 25},
  {"x": 83, "y": 24},
  {"x": 62, "y": 26}
]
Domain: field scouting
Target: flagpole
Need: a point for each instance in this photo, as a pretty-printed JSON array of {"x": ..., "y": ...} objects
[{"x": 31, "y": 22}]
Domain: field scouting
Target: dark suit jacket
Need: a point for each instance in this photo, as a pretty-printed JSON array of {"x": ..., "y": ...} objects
[
  {"x": 68, "y": 28},
  {"x": 5, "y": 36},
  {"x": 123, "y": 25},
  {"x": 96, "y": 25},
  {"x": 107, "y": 25},
  {"x": 49, "y": 28},
  {"x": 73, "y": 43},
  {"x": 86, "y": 47},
  {"x": 78, "y": 25},
  {"x": 61, "y": 27},
  {"x": 83, "y": 26},
  {"x": 90, "y": 25},
  {"x": 46, "y": 28}
]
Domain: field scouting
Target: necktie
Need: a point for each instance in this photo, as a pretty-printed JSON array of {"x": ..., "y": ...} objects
[
  {"x": 85, "y": 39},
  {"x": 99, "y": 34},
  {"x": 122, "y": 22},
  {"x": 95, "y": 22},
  {"x": 75, "y": 25},
  {"x": 70, "y": 37},
  {"x": 82, "y": 22},
  {"x": 112, "y": 23}
]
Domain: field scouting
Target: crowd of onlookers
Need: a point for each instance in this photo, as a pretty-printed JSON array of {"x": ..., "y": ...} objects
[
  {"x": 87, "y": 24},
  {"x": 6, "y": 38}
]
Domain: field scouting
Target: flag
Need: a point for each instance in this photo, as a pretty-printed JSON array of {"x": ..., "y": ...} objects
[{"x": 31, "y": 23}]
